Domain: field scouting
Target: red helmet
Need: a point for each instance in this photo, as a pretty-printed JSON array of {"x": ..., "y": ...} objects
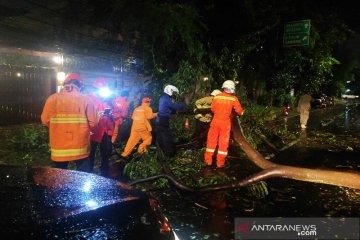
[
  {"x": 74, "y": 78},
  {"x": 146, "y": 100},
  {"x": 100, "y": 82}
]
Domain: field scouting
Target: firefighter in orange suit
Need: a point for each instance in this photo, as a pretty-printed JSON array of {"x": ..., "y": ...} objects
[
  {"x": 141, "y": 128},
  {"x": 70, "y": 115},
  {"x": 219, "y": 132},
  {"x": 121, "y": 108}
]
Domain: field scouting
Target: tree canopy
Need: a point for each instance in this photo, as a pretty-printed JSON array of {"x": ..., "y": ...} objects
[
  {"x": 185, "y": 42},
  {"x": 240, "y": 40}
]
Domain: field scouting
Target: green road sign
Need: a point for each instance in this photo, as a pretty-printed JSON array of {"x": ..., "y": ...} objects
[
  {"x": 296, "y": 39},
  {"x": 297, "y": 33}
]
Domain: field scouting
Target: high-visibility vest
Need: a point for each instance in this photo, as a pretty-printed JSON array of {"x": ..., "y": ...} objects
[{"x": 69, "y": 115}]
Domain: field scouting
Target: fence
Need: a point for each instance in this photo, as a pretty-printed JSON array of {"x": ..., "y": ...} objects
[{"x": 23, "y": 92}]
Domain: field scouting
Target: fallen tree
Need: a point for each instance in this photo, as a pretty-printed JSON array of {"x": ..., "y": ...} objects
[
  {"x": 269, "y": 170},
  {"x": 332, "y": 177}
]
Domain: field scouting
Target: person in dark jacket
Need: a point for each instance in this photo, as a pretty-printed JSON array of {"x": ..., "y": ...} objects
[{"x": 166, "y": 108}]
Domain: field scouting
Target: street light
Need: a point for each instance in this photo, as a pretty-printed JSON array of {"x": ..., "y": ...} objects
[
  {"x": 60, "y": 77},
  {"x": 105, "y": 92},
  {"x": 58, "y": 59}
]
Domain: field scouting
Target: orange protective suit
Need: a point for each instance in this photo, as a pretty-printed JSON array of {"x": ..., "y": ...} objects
[
  {"x": 140, "y": 129},
  {"x": 222, "y": 106},
  {"x": 69, "y": 116},
  {"x": 120, "y": 111}
]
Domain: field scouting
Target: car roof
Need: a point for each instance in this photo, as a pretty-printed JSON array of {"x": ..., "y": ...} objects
[{"x": 48, "y": 202}]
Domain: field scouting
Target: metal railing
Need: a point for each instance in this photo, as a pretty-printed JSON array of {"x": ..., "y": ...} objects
[{"x": 23, "y": 92}]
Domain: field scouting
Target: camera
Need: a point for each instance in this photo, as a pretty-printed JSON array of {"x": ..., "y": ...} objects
[{"x": 107, "y": 111}]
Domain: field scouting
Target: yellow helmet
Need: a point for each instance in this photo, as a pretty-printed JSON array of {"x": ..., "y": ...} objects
[{"x": 215, "y": 92}]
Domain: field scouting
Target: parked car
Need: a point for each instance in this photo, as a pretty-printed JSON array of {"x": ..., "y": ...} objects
[
  {"x": 49, "y": 203},
  {"x": 349, "y": 96},
  {"x": 320, "y": 101}
]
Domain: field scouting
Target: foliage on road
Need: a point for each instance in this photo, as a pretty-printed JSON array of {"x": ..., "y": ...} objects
[{"x": 25, "y": 144}]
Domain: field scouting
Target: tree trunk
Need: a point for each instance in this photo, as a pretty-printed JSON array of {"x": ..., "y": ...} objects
[{"x": 332, "y": 177}]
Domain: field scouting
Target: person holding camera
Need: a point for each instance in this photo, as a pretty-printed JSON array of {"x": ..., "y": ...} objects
[{"x": 104, "y": 130}]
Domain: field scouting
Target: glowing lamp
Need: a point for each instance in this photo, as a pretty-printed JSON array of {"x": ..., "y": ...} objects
[
  {"x": 104, "y": 92},
  {"x": 91, "y": 203},
  {"x": 58, "y": 59}
]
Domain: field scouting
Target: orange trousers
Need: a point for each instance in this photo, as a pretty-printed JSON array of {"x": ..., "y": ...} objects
[
  {"x": 218, "y": 133},
  {"x": 135, "y": 137}
]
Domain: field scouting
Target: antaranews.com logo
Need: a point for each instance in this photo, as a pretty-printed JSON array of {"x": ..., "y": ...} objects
[{"x": 296, "y": 228}]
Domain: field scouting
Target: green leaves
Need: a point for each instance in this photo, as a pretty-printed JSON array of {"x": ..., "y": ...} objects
[
  {"x": 32, "y": 137},
  {"x": 214, "y": 178},
  {"x": 144, "y": 167},
  {"x": 27, "y": 145},
  {"x": 258, "y": 190}
]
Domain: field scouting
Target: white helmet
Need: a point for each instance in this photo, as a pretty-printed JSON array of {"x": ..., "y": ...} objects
[
  {"x": 215, "y": 92},
  {"x": 229, "y": 86},
  {"x": 170, "y": 89}
]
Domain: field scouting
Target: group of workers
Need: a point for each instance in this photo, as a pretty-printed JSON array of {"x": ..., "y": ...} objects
[
  {"x": 217, "y": 125},
  {"x": 79, "y": 123}
]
